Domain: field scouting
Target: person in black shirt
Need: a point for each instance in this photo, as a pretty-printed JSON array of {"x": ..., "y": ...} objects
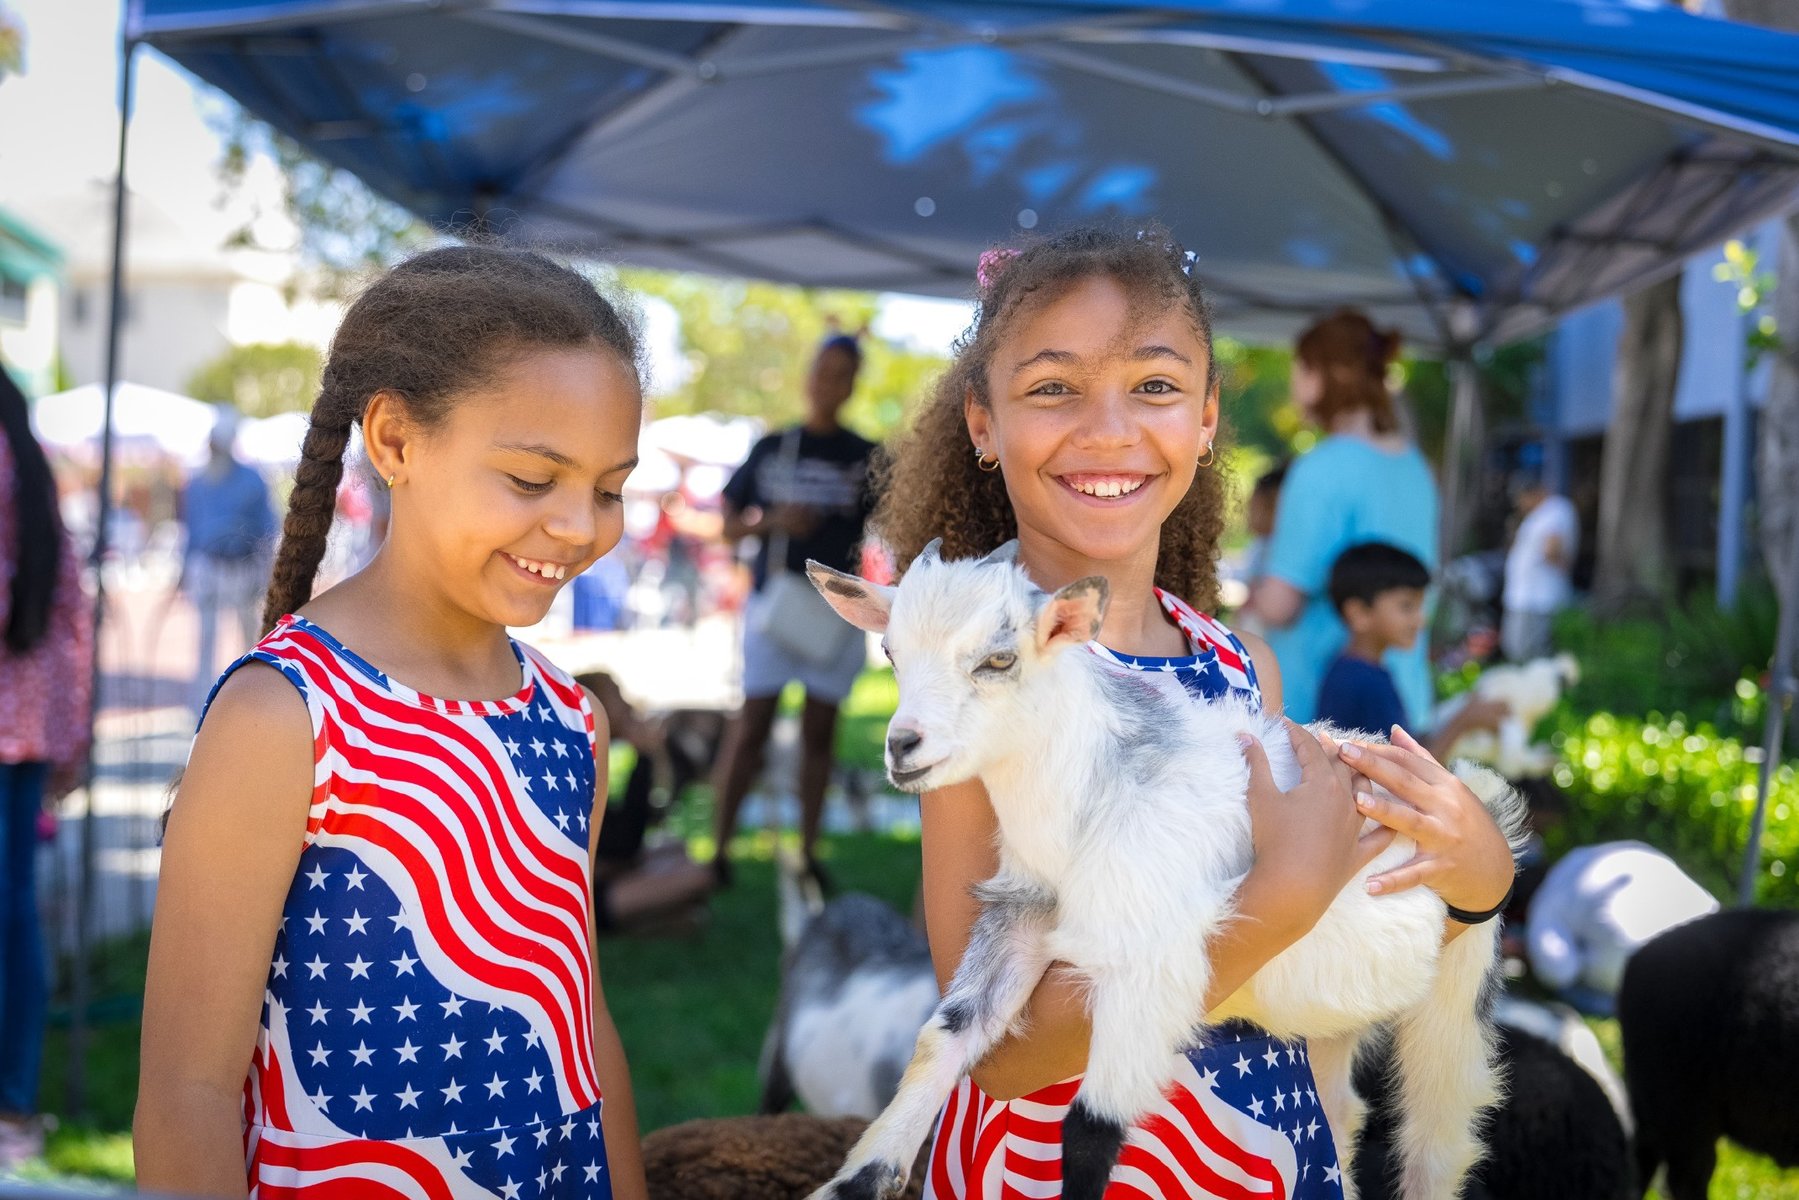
[{"x": 804, "y": 492}]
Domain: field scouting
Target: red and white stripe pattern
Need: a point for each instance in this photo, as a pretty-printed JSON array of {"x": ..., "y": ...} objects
[{"x": 443, "y": 900}]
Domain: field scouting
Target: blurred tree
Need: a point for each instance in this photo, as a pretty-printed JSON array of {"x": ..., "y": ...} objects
[
  {"x": 261, "y": 380},
  {"x": 750, "y": 345},
  {"x": 344, "y": 229},
  {"x": 12, "y": 44}
]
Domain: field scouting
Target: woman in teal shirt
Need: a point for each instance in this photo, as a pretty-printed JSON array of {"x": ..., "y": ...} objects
[{"x": 1364, "y": 482}]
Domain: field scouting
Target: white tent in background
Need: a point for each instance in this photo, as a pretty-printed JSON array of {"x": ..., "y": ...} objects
[
  {"x": 273, "y": 441},
  {"x": 146, "y": 420}
]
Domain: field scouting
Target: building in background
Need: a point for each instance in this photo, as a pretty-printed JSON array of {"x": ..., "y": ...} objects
[
  {"x": 1711, "y": 470},
  {"x": 187, "y": 299},
  {"x": 31, "y": 267}
]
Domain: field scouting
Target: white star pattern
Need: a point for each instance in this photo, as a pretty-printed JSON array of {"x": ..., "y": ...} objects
[
  {"x": 453, "y": 1048},
  {"x": 320, "y": 1055},
  {"x": 591, "y": 1173},
  {"x": 511, "y": 747},
  {"x": 1273, "y": 1057},
  {"x": 1242, "y": 1065},
  {"x": 358, "y": 968},
  {"x": 533, "y": 1082},
  {"x": 315, "y": 923},
  {"x": 354, "y": 878},
  {"x": 503, "y": 1147},
  {"x": 364, "y": 1099},
  {"x": 317, "y": 967},
  {"x": 320, "y": 1098},
  {"x": 494, "y": 1042},
  {"x": 537, "y": 747},
  {"x": 318, "y": 1012},
  {"x": 408, "y": 1098},
  {"x": 280, "y": 966},
  {"x": 317, "y": 876},
  {"x": 560, "y": 749},
  {"x": 1332, "y": 1174},
  {"x": 461, "y": 1159},
  {"x": 453, "y": 1006},
  {"x": 356, "y": 921},
  {"x": 453, "y": 1093},
  {"x": 408, "y": 1052},
  {"x": 542, "y": 1134},
  {"x": 362, "y": 1054},
  {"x": 561, "y": 820},
  {"x": 403, "y": 965},
  {"x": 1280, "y": 1101},
  {"x": 550, "y": 781},
  {"x": 361, "y": 1013},
  {"x": 406, "y": 1008},
  {"x": 568, "y": 1129},
  {"x": 496, "y": 1086},
  {"x": 509, "y": 1190}
]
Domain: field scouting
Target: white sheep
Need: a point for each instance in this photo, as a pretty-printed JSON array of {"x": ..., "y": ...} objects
[
  {"x": 1124, "y": 833},
  {"x": 1529, "y": 690}
]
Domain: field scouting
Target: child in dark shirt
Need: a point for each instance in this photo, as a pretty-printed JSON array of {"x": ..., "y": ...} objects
[{"x": 1378, "y": 590}]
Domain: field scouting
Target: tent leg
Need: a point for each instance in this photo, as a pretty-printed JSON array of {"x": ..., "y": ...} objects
[
  {"x": 1783, "y": 689},
  {"x": 1461, "y": 452},
  {"x": 81, "y": 976}
]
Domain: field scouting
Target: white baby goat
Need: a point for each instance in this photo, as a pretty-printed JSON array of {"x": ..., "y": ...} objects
[{"x": 1124, "y": 834}]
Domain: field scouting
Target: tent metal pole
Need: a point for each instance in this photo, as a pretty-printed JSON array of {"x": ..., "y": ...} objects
[
  {"x": 1461, "y": 462},
  {"x": 84, "y": 888},
  {"x": 1783, "y": 688}
]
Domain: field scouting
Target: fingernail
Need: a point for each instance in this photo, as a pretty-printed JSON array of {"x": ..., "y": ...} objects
[
  {"x": 1351, "y": 750},
  {"x": 1364, "y": 800},
  {"x": 1245, "y": 741},
  {"x": 1373, "y": 886}
]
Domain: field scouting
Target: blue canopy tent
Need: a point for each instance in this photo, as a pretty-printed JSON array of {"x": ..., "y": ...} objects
[{"x": 1463, "y": 170}]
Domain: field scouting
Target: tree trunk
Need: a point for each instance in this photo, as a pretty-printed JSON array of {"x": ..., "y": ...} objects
[{"x": 1633, "y": 555}]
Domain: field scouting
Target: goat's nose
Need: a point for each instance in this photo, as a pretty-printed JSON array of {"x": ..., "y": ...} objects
[{"x": 901, "y": 742}]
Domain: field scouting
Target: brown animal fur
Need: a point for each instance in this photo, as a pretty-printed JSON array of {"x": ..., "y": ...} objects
[{"x": 783, "y": 1157}]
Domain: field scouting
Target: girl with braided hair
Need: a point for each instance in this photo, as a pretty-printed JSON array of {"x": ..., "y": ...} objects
[
  {"x": 1080, "y": 416},
  {"x": 372, "y": 969}
]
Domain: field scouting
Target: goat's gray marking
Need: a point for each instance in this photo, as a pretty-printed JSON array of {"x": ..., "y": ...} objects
[{"x": 1148, "y": 724}]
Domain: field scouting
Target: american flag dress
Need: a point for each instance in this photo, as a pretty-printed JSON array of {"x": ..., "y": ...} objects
[
  {"x": 1242, "y": 1120},
  {"x": 427, "y": 1026}
]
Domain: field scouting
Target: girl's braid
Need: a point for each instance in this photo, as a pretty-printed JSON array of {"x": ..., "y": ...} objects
[{"x": 311, "y": 506}]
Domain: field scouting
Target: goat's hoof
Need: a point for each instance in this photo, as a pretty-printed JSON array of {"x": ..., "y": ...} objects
[
  {"x": 1090, "y": 1145},
  {"x": 874, "y": 1181}
]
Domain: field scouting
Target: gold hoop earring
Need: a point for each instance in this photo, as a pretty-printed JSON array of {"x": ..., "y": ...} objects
[
  {"x": 1211, "y": 456},
  {"x": 390, "y": 482},
  {"x": 984, "y": 461}
]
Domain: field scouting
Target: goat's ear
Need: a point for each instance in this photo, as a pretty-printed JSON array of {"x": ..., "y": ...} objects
[
  {"x": 932, "y": 552},
  {"x": 1007, "y": 553},
  {"x": 863, "y": 604},
  {"x": 1072, "y": 616}
]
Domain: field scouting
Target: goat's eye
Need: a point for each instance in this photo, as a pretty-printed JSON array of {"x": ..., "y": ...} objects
[{"x": 1002, "y": 661}]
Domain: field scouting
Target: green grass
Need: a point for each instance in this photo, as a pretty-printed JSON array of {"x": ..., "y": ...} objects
[{"x": 692, "y": 1011}]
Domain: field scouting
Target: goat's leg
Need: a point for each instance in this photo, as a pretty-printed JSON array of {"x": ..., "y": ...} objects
[
  {"x": 1444, "y": 1057},
  {"x": 1006, "y": 957},
  {"x": 1333, "y": 1070},
  {"x": 1142, "y": 1012}
]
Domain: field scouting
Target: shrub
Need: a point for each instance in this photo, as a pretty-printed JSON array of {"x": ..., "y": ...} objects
[{"x": 1682, "y": 787}]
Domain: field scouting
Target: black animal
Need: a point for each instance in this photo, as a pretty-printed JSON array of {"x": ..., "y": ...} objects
[
  {"x": 1710, "y": 1016},
  {"x": 1555, "y": 1136}
]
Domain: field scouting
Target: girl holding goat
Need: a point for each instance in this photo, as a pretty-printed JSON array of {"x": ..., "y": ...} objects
[{"x": 1081, "y": 417}]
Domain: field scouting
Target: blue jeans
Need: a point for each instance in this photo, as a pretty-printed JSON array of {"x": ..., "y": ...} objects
[{"x": 24, "y": 980}]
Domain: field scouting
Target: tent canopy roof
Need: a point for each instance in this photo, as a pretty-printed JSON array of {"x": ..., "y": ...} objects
[{"x": 1465, "y": 171}]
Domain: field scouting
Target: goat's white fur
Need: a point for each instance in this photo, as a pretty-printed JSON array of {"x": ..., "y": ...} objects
[{"x": 1124, "y": 834}]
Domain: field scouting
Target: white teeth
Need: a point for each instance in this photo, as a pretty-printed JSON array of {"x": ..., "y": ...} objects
[
  {"x": 547, "y": 570},
  {"x": 1108, "y": 488}
]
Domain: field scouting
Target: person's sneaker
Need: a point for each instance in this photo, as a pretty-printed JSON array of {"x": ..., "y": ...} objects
[{"x": 20, "y": 1141}]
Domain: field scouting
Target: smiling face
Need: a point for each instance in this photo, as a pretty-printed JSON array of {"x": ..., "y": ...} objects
[
  {"x": 1099, "y": 416},
  {"x": 518, "y": 490}
]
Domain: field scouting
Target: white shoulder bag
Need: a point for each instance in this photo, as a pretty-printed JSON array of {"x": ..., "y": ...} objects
[{"x": 789, "y": 611}]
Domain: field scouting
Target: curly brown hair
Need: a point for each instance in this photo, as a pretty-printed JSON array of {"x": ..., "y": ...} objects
[
  {"x": 929, "y": 484},
  {"x": 436, "y": 326}
]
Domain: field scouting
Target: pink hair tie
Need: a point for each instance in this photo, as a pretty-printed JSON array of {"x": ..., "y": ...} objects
[{"x": 992, "y": 261}]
